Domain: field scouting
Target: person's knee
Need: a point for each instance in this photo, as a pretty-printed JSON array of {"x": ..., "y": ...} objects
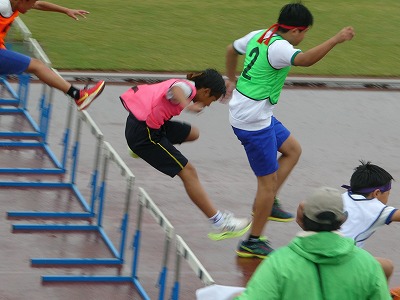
[
  {"x": 35, "y": 65},
  {"x": 267, "y": 185},
  {"x": 188, "y": 172},
  {"x": 189, "y": 167},
  {"x": 194, "y": 134},
  {"x": 291, "y": 148},
  {"x": 387, "y": 266},
  {"x": 295, "y": 149}
]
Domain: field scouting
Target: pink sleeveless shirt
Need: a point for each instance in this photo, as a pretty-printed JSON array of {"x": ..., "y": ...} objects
[{"x": 149, "y": 102}]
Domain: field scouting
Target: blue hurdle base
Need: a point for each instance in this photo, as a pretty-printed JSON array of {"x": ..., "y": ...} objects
[
  {"x": 117, "y": 258},
  {"x": 98, "y": 278},
  {"x": 58, "y": 167},
  {"x": 87, "y": 213}
]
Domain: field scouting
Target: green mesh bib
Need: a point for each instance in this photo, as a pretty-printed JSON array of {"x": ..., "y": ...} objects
[{"x": 259, "y": 80}]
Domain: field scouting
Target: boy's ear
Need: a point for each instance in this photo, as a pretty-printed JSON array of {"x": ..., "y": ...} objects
[
  {"x": 205, "y": 91},
  {"x": 295, "y": 31},
  {"x": 300, "y": 215},
  {"x": 375, "y": 193}
]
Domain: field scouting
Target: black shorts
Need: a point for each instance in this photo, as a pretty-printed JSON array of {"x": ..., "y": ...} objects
[{"x": 156, "y": 146}]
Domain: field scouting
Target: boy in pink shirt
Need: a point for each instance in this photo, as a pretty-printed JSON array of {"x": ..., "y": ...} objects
[{"x": 151, "y": 135}]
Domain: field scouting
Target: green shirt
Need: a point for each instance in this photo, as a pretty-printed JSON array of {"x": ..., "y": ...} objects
[{"x": 320, "y": 266}]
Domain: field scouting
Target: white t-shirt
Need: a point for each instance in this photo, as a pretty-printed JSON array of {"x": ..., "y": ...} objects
[
  {"x": 280, "y": 52},
  {"x": 245, "y": 113},
  {"x": 187, "y": 89},
  {"x": 5, "y": 8},
  {"x": 365, "y": 216}
]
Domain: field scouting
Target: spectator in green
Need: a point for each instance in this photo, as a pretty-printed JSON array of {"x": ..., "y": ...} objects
[{"x": 319, "y": 263}]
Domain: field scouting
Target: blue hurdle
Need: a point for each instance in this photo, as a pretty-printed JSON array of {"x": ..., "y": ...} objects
[
  {"x": 37, "y": 137},
  {"x": 144, "y": 202},
  {"x": 17, "y": 139},
  {"x": 183, "y": 251},
  {"x": 88, "y": 208},
  {"x": 19, "y": 102},
  {"x": 110, "y": 155},
  {"x": 15, "y": 99}
]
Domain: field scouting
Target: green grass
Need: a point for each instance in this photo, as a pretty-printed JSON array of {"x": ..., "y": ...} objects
[{"x": 176, "y": 35}]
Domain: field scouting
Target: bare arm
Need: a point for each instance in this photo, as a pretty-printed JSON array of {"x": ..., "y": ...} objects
[
  {"x": 180, "y": 98},
  {"x": 231, "y": 61},
  {"x": 396, "y": 216},
  {"x": 47, "y": 6},
  {"x": 312, "y": 56}
]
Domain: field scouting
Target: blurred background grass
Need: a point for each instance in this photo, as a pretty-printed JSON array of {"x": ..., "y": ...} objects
[{"x": 177, "y": 35}]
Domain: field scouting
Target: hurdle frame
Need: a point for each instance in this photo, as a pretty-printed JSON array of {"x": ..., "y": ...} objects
[
  {"x": 144, "y": 202},
  {"x": 39, "y": 131},
  {"x": 183, "y": 251},
  {"x": 88, "y": 208},
  {"x": 149, "y": 204},
  {"x": 118, "y": 255},
  {"x": 18, "y": 99}
]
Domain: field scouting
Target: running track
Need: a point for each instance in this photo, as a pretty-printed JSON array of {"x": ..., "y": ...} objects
[{"x": 336, "y": 128}]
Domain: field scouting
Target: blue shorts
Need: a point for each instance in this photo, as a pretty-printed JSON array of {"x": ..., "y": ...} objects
[
  {"x": 13, "y": 62},
  {"x": 262, "y": 146}
]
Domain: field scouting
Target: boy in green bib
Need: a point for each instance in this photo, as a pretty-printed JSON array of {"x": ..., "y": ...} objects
[{"x": 269, "y": 54}]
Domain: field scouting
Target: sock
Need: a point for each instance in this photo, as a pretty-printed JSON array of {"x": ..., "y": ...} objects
[
  {"x": 73, "y": 92},
  {"x": 253, "y": 238},
  {"x": 217, "y": 220}
]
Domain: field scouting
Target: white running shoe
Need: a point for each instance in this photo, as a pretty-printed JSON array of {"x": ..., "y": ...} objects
[{"x": 231, "y": 227}]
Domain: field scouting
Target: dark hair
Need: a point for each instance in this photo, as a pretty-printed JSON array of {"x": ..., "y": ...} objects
[
  {"x": 368, "y": 175},
  {"x": 211, "y": 79},
  {"x": 310, "y": 225},
  {"x": 295, "y": 14}
]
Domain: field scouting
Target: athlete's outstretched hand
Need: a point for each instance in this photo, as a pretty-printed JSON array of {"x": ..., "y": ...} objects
[
  {"x": 346, "y": 34},
  {"x": 75, "y": 13}
]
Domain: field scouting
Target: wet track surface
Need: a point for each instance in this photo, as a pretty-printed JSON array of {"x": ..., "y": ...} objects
[{"x": 336, "y": 129}]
